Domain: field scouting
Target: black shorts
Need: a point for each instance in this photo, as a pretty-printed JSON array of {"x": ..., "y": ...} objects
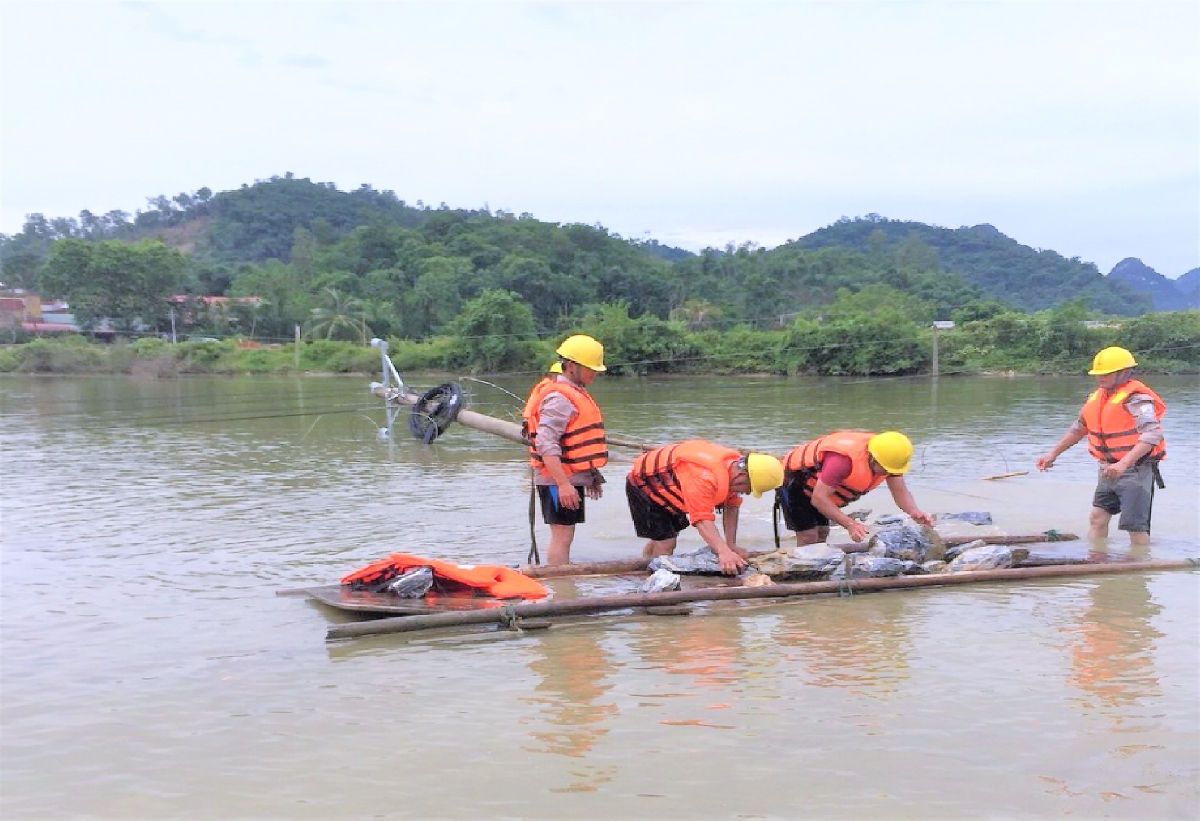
[
  {"x": 650, "y": 519},
  {"x": 1131, "y": 494},
  {"x": 555, "y": 514},
  {"x": 798, "y": 511}
]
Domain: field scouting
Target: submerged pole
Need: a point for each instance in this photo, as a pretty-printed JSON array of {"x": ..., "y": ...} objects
[
  {"x": 599, "y": 604},
  {"x": 482, "y": 422}
]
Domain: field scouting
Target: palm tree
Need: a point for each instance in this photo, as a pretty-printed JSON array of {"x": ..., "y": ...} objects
[{"x": 340, "y": 313}]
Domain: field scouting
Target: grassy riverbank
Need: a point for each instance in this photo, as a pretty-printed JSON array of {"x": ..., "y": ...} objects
[{"x": 1163, "y": 343}]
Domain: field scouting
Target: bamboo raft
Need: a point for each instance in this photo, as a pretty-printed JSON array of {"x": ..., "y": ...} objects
[
  {"x": 512, "y": 614},
  {"x": 392, "y": 614}
]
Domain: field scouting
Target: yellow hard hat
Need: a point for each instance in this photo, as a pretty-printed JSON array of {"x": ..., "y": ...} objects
[
  {"x": 556, "y": 367},
  {"x": 765, "y": 472},
  {"x": 892, "y": 450},
  {"x": 1111, "y": 360},
  {"x": 583, "y": 349}
]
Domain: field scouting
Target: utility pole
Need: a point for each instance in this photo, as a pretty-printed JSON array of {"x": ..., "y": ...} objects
[
  {"x": 938, "y": 325},
  {"x": 935, "y": 350}
]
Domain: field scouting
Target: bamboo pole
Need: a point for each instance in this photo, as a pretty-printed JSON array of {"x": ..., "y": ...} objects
[
  {"x": 490, "y": 424},
  {"x": 599, "y": 604}
]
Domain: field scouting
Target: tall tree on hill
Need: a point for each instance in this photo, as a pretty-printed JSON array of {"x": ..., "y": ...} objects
[{"x": 130, "y": 285}]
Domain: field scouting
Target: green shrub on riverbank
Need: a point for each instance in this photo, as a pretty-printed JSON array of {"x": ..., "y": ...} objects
[
  {"x": 864, "y": 343},
  {"x": 156, "y": 357}
]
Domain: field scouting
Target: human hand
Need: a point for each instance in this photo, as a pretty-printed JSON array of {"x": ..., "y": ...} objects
[
  {"x": 1046, "y": 462},
  {"x": 922, "y": 518},
  {"x": 1114, "y": 470},
  {"x": 857, "y": 530},
  {"x": 731, "y": 562},
  {"x": 594, "y": 491},
  {"x": 568, "y": 496}
]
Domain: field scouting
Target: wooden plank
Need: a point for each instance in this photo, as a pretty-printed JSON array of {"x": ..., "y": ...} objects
[{"x": 1005, "y": 475}]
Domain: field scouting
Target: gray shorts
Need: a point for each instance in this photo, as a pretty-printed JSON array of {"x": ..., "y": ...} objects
[{"x": 1131, "y": 494}]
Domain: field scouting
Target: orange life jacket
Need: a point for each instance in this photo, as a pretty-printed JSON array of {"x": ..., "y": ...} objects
[
  {"x": 493, "y": 580},
  {"x": 654, "y": 470},
  {"x": 806, "y": 459},
  {"x": 534, "y": 393},
  {"x": 583, "y": 443},
  {"x": 1112, "y": 430}
]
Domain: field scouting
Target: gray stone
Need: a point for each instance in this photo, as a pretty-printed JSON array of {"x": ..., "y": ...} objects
[
  {"x": 414, "y": 583},
  {"x": 810, "y": 561},
  {"x": 903, "y": 542},
  {"x": 975, "y": 517},
  {"x": 954, "y": 551},
  {"x": 863, "y": 566},
  {"x": 661, "y": 580},
  {"x": 986, "y": 557},
  {"x": 693, "y": 560}
]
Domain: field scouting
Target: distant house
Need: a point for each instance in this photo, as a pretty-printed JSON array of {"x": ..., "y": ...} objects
[
  {"x": 26, "y": 310},
  {"x": 191, "y": 305},
  {"x": 19, "y": 305}
]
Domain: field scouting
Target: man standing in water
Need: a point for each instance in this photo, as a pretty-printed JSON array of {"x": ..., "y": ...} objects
[
  {"x": 829, "y": 472},
  {"x": 567, "y": 448},
  {"x": 1122, "y": 420},
  {"x": 684, "y": 483}
]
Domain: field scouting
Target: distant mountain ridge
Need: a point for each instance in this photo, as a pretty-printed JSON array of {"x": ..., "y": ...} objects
[
  {"x": 1168, "y": 295},
  {"x": 1031, "y": 279}
]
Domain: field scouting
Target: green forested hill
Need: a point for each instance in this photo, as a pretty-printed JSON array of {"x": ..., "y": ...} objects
[
  {"x": 334, "y": 261},
  {"x": 1024, "y": 277}
]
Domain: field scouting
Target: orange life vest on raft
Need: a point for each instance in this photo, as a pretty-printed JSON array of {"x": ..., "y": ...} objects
[
  {"x": 1112, "y": 430},
  {"x": 805, "y": 459},
  {"x": 583, "y": 443},
  {"x": 493, "y": 580}
]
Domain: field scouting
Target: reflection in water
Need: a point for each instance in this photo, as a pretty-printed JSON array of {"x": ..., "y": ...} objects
[
  {"x": 1111, "y": 652},
  {"x": 706, "y": 648},
  {"x": 860, "y": 642},
  {"x": 574, "y": 672}
]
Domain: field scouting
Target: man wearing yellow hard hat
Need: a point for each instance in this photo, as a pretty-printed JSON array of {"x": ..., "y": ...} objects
[
  {"x": 1122, "y": 420},
  {"x": 672, "y": 486},
  {"x": 567, "y": 446},
  {"x": 825, "y": 474}
]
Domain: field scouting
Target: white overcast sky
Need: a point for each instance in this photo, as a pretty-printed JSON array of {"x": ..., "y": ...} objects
[{"x": 1072, "y": 126}]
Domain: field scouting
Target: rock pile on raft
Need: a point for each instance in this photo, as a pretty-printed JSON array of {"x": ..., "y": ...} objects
[{"x": 898, "y": 547}]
